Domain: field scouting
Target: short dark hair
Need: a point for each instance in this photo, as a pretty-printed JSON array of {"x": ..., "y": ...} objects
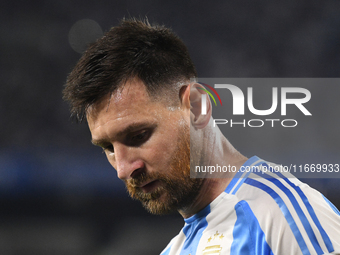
[{"x": 152, "y": 53}]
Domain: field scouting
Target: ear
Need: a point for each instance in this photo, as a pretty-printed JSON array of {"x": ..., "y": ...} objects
[{"x": 192, "y": 98}]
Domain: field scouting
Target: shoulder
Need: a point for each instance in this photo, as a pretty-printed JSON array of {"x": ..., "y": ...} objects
[{"x": 293, "y": 217}]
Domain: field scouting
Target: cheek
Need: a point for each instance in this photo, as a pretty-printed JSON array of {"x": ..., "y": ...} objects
[{"x": 160, "y": 151}]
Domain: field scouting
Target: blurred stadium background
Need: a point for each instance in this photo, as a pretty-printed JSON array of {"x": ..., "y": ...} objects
[{"x": 58, "y": 195}]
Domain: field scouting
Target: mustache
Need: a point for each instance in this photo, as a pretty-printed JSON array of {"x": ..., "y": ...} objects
[{"x": 140, "y": 179}]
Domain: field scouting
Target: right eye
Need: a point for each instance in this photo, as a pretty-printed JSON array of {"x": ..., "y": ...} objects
[{"x": 109, "y": 148}]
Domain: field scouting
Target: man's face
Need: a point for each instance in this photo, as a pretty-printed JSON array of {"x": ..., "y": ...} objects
[{"x": 148, "y": 143}]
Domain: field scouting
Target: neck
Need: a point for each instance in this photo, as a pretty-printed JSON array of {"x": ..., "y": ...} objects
[{"x": 222, "y": 154}]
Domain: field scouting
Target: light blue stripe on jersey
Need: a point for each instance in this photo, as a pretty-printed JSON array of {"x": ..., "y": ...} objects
[
  {"x": 239, "y": 174},
  {"x": 298, "y": 210},
  {"x": 193, "y": 231},
  {"x": 167, "y": 251},
  {"x": 285, "y": 212},
  {"x": 253, "y": 243},
  {"x": 311, "y": 212},
  {"x": 246, "y": 176}
]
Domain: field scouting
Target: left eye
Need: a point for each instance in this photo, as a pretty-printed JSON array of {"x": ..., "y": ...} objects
[{"x": 139, "y": 138}]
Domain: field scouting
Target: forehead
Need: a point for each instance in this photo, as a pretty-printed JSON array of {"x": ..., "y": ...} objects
[{"x": 127, "y": 104}]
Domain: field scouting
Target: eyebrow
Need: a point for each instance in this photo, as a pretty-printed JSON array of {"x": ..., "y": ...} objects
[{"x": 129, "y": 129}]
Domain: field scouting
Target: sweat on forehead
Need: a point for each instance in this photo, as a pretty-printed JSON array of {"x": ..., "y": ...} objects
[
  {"x": 133, "y": 92},
  {"x": 134, "y": 89}
]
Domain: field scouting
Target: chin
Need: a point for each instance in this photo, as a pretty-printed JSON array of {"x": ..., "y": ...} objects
[{"x": 160, "y": 206}]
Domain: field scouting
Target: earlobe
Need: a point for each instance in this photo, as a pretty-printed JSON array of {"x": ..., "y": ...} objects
[{"x": 200, "y": 106}]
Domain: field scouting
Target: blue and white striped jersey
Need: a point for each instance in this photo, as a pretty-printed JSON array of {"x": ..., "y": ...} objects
[{"x": 261, "y": 213}]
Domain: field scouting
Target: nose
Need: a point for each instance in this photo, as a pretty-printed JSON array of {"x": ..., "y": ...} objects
[{"x": 127, "y": 162}]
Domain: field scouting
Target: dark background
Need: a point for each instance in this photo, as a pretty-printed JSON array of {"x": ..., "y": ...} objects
[{"x": 58, "y": 195}]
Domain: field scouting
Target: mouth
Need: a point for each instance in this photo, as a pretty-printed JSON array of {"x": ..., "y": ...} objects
[{"x": 150, "y": 186}]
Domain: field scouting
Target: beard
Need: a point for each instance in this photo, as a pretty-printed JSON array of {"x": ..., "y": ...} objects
[{"x": 176, "y": 190}]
